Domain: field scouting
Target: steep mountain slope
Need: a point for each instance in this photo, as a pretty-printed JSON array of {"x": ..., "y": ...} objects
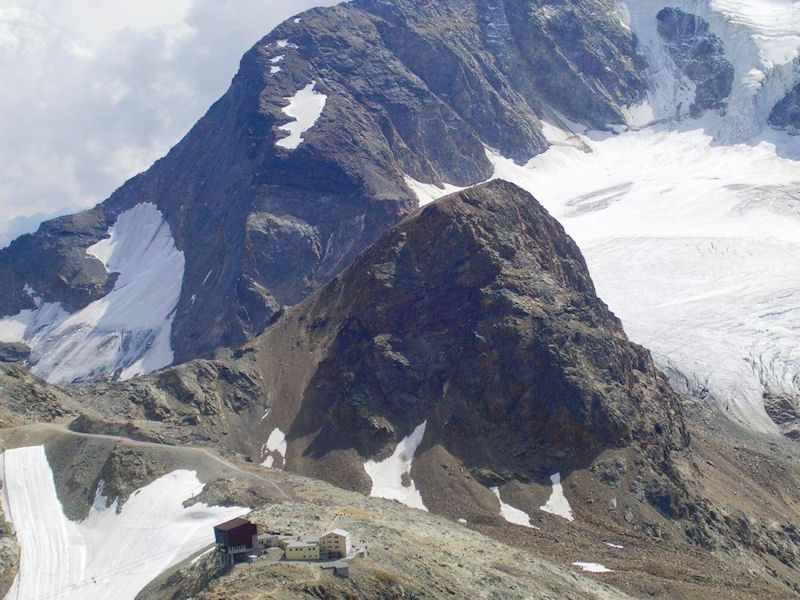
[
  {"x": 473, "y": 319},
  {"x": 305, "y": 161}
]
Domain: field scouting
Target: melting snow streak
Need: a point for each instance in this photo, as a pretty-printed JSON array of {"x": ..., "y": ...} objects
[
  {"x": 387, "y": 475},
  {"x": 591, "y": 567},
  {"x": 557, "y": 503},
  {"x": 511, "y": 514}
]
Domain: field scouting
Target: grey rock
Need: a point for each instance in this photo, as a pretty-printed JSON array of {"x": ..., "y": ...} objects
[
  {"x": 12, "y": 353},
  {"x": 786, "y": 113},
  {"x": 784, "y": 410},
  {"x": 700, "y": 55}
]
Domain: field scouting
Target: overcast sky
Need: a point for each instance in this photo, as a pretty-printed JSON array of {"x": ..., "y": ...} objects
[{"x": 93, "y": 91}]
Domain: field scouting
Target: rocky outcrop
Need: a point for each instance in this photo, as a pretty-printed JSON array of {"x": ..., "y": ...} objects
[
  {"x": 786, "y": 113},
  {"x": 784, "y": 410},
  {"x": 477, "y": 316},
  {"x": 24, "y": 397},
  {"x": 13, "y": 353},
  {"x": 700, "y": 55},
  {"x": 411, "y": 88}
]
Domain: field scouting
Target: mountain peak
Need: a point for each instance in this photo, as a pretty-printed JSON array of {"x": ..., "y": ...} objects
[{"x": 477, "y": 316}]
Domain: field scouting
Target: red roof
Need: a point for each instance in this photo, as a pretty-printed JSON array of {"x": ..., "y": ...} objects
[{"x": 232, "y": 524}]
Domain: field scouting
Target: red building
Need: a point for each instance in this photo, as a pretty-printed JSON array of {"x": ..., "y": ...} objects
[{"x": 236, "y": 540}]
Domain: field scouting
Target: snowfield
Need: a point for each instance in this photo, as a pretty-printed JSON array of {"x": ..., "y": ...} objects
[
  {"x": 115, "y": 552},
  {"x": 305, "y": 107},
  {"x": 125, "y": 333},
  {"x": 387, "y": 475}
]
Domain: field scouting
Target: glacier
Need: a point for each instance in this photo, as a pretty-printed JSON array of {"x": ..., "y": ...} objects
[{"x": 123, "y": 334}]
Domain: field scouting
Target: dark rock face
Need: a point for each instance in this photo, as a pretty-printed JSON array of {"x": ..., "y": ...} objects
[
  {"x": 11, "y": 353},
  {"x": 784, "y": 410},
  {"x": 412, "y": 87},
  {"x": 26, "y": 397},
  {"x": 786, "y": 113},
  {"x": 477, "y": 315},
  {"x": 700, "y": 55}
]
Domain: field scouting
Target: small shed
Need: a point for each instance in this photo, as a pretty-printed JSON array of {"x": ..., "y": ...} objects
[{"x": 341, "y": 568}]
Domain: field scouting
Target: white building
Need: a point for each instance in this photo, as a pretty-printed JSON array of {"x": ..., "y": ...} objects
[
  {"x": 336, "y": 543},
  {"x": 298, "y": 550}
]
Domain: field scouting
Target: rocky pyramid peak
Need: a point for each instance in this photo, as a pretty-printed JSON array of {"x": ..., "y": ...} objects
[{"x": 476, "y": 316}]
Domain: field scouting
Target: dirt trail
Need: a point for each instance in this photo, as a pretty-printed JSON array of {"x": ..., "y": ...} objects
[{"x": 35, "y": 429}]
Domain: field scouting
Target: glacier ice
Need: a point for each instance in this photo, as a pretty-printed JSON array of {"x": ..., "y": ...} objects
[{"x": 125, "y": 333}]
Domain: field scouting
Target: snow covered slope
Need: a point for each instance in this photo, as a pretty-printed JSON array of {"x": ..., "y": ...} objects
[
  {"x": 115, "y": 552},
  {"x": 127, "y": 332}
]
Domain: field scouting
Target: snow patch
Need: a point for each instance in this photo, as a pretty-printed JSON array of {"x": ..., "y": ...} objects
[
  {"x": 387, "y": 475},
  {"x": 305, "y": 107},
  {"x": 428, "y": 192},
  {"x": 125, "y": 333},
  {"x": 110, "y": 554},
  {"x": 616, "y": 546},
  {"x": 511, "y": 514},
  {"x": 557, "y": 504},
  {"x": 276, "y": 444},
  {"x": 591, "y": 567}
]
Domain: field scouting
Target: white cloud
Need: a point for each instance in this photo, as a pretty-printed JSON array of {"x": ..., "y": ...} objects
[{"x": 95, "y": 91}]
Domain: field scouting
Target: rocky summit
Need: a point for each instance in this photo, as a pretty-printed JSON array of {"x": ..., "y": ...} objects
[
  {"x": 476, "y": 316},
  {"x": 406, "y": 89}
]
